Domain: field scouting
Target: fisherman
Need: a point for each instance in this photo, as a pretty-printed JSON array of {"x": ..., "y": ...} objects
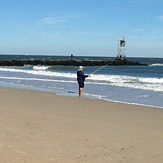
[{"x": 81, "y": 78}]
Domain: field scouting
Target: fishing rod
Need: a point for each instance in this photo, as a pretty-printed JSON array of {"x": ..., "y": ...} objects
[{"x": 101, "y": 67}]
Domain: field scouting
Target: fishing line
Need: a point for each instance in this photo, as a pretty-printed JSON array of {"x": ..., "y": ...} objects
[{"x": 101, "y": 68}]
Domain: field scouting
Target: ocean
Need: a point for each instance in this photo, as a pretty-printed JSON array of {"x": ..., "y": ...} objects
[{"x": 141, "y": 85}]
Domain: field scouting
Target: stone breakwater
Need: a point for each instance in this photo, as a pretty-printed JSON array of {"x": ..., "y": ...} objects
[{"x": 116, "y": 62}]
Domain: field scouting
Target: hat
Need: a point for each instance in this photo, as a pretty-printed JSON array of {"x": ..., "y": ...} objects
[{"x": 80, "y": 67}]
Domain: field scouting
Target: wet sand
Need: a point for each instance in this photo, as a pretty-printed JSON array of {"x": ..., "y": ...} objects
[{"x": 40, "y": 127}]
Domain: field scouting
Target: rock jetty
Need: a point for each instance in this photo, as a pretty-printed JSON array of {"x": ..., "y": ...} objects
[{"x": 71, "y": 62}]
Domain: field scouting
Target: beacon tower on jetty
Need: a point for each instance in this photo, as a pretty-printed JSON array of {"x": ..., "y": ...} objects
[{"x": 121, "y": 48}]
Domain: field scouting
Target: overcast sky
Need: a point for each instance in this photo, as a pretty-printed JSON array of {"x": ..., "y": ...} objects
[{"x": 81, "y": 27}]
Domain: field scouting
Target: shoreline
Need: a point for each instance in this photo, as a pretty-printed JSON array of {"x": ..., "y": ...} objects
[
  {"x": 128, "y": 103},
  {"x": 86, "y": 97},
  {"x": 41, "y": 127}
]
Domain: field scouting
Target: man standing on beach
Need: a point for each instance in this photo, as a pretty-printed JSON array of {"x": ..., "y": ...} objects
[{"x": 81, "y": 78}]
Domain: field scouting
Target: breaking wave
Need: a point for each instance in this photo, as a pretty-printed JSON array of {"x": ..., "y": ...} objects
[
  {"x": 39, "y": 74},
  {"x": 156, "y": 64},
  {"x": 40, "y": 67}
]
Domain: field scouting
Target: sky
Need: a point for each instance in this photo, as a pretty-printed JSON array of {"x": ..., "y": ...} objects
[{"x": 81, "y": 27}]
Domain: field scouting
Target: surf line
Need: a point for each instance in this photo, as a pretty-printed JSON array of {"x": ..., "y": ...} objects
[{"x": 101, "y": 68}]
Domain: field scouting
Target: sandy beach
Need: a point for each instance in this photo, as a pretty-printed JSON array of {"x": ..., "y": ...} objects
[{"x": 40, "y": 127}]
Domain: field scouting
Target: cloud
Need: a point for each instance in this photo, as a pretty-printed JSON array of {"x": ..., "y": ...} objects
[
  {"x": 59, "y": 19},
  {"x": 54, "y": 20},
  {"x": 160, "y": 17}
]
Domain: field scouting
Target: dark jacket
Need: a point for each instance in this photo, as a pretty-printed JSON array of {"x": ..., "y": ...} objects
[{"x": 81, "y": 77}]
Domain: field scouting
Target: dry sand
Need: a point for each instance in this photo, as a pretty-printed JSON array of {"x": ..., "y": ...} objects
[{"x": 39, "y": 127}]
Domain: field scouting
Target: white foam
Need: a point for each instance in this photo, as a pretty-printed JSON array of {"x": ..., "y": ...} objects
[
  {"x": 36, "y": 79},
  {"x": 156, "y": 64},
  {"x": 152, "y": 84},
  {"x": 40, "y": 72},
  {"x": 40, "y": 67}
]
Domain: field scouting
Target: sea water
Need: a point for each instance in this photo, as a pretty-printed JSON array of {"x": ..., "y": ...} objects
[{"x": 141, "y": 85}]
